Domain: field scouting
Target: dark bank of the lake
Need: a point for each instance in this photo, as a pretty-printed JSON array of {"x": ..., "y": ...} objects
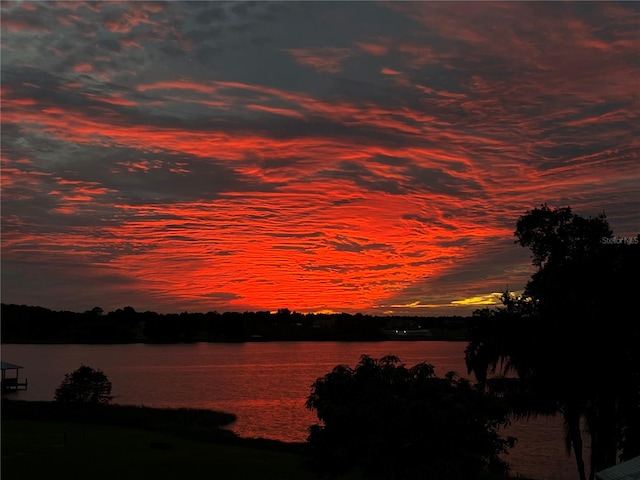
[{"x": 265, "y": 384}]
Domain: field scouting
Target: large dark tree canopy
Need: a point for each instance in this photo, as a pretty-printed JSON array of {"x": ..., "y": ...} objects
[
  {"x": 395, "y": 422},
  {"x": 572, "y": 337},
  {"x": 557, "y": 235}
]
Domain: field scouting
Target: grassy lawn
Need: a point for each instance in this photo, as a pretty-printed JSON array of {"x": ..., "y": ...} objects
[
  {"x": 46, "y": 440},
  {"x": 37, "y": 449}
]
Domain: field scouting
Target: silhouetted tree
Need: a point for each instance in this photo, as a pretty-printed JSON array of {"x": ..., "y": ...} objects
[
  {"x": 394, "y": 422},
  {"x": 95, "y": 311},
  {"x": 572, "y": 337},
  {"x": 84, "y": 385}
]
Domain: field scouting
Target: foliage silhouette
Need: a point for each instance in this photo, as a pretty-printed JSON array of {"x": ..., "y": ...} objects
[
  {"x": 572, "y": 337},
  {"x": 394, "y": 422},
  {"x": 84, "y": 385}
]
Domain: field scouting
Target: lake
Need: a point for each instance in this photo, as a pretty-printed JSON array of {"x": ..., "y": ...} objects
[{"x": 264, "y": 384}]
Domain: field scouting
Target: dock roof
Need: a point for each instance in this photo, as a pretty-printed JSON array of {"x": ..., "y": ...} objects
[{"x": 9, "y": 366}]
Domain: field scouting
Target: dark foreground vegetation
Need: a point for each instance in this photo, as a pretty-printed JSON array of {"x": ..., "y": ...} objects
[
  {"x": 103, "y": 442},
  {"x": 569, "y": 344},
  {"x": 395, "y": 422},
  {"x": 380, "y": 421},
  {"x": 29, "y": 324},
  {"x": 59, "y": 440}
]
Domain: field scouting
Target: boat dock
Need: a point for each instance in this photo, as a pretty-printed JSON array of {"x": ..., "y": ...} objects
[{"x": 12, "y": 382}]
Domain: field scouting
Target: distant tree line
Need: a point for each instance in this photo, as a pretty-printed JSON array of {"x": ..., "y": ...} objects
[{"x": 23, "y": 324}]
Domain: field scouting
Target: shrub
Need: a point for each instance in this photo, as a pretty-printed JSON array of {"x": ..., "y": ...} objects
[
  {"x": 84, "y": 385},
  {"x": 394, "y": 422}
]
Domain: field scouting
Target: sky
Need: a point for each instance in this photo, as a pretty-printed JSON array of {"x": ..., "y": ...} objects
[{"x": 351, "y": 157}]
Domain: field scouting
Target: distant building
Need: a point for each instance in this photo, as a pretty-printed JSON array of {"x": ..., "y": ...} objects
[
  {"x": 405, "y": 329},
  {"x": 324, "y": 322}
]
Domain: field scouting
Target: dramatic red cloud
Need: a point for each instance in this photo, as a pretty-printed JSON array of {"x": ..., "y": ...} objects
[
  {"x": 304, "y": 262},
  {"x": 192, "y": 158}
]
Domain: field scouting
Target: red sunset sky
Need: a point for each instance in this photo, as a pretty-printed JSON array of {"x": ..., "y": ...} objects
[{"x": 316, "y": 156}]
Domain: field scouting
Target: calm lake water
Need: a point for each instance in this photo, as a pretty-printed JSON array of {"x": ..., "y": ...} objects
[{"x": 264, "y": 384}]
